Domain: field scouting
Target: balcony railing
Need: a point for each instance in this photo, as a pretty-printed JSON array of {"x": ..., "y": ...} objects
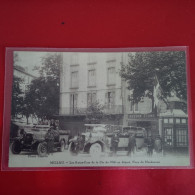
[{"x": 117, "y": 109}]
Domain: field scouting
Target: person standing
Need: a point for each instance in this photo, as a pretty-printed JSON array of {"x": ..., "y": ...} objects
[
  {"x": 131, "y": 145},
  {"x": 114, "y": 142},
  {"x": 158, "y": 144},
  {"x": 49, "y": 137},
  {"x": 150, "y": 146},
  {"x": 53, "y": 124}
]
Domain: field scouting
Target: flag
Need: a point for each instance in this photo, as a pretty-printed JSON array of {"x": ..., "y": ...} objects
[{"x": 157, "y": 93}]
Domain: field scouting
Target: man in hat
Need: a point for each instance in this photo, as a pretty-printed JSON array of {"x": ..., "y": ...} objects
[
  {"x": 53, "y": 124},
  {"x": 150, "y": 145},
  {"x": 114, "y": 142},
  {"x": 131, "y": 145},
  {"x": 49, "y": 137}
]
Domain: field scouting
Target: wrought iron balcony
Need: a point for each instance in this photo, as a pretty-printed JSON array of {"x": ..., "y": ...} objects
[{"x": 108, "y": 109}]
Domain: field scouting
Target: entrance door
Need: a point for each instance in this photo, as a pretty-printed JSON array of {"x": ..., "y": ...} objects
[{"x": 168, "y": 138}]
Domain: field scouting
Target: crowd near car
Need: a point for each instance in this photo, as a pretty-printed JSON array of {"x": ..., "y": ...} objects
[
  {"x": 99, "y": 138},
  {"x": 96, "y": 138}
]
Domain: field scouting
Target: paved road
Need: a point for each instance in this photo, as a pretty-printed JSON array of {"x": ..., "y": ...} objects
[{"x": 66, "y": 159}]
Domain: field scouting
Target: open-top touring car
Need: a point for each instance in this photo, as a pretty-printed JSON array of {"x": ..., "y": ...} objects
[
  {"x": 33, "y": 138},
  {"x": 97, "y": 138},
  {"x": 93, "y": 140}
]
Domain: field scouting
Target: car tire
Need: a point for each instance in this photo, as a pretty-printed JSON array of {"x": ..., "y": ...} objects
[
  {"x": 72, "y": 150},
  {"x": 42, "y": 149},
  {"x": 95, "y": 149},
  {"x": 16, "y": 147},
  {"x": 62, "y": 145}
]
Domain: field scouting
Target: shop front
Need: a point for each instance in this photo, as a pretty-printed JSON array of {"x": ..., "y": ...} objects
[
  {"x": 174, "y": 129},
  {"x": 147, "y": 121}
]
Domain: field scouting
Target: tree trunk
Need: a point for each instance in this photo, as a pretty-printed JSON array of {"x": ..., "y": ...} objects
[{"x": 27, "y": 119}]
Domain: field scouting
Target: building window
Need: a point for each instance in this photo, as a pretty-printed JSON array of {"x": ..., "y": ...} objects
[
  {"x": 74, "y": 79},
  {"x": 73, "y": 103},
  {"x": 136, "y": 107},
  {"x": 181, "y": 137},
  {"x": 168, "y": 120},
  {"x": 111, "y": 76},
  {"x": 168, "y": 136},
  {"x": 131, "y": 106},
  {"x": 183, "y": 120},
  {"x": 91, "y": 98},
  {"x": 110, "y": 98},
  {"x": 171, "y": 120},
  {"x": 91, "y": 78},
  {"x": 74, "y": 59},
  {"x": 177, "y": 121}
]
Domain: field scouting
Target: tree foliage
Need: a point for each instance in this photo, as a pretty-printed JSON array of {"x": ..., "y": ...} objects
[
  {"x": 43, "y": 95},
  {"x": 94, "y": 113},
  {"x": 17, "y": 98},
  {"x": 168, "y": 66}
]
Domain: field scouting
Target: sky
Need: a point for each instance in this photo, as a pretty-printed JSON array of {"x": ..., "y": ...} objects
[{"x": 30, "y": 59}]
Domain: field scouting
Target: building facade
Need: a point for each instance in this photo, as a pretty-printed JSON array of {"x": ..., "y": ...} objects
[{"x": 89, "y": 77}]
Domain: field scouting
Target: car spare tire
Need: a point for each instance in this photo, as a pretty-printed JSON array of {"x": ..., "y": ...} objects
[
  {"x": 42, "y": 149},
  {"x": 95, "y": 150}
]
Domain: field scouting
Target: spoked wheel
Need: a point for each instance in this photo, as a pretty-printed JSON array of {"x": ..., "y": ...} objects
[
  {"x": 16, "y": 147},
  {"x": 42, "y": 149},
  {"x": 95, "y": 149},
  {"x": 73, "y": 149}
]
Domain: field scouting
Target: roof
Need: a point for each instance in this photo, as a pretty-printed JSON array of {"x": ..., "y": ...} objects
[
  {"x": 174, "y": 113},
  {"x": 175, "y": 99},
  {"x": 24, "y": 72}
]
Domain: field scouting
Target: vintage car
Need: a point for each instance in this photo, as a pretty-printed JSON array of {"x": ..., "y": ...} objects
[
  {"x": 34, "y": 139},
  {"x": 124, "y": 132},
  {"x": 92, "y": 141},
  {"x": 97, "y": 138}
]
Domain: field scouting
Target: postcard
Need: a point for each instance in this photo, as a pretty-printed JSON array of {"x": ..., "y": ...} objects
[{"x": 89, "y": 108}]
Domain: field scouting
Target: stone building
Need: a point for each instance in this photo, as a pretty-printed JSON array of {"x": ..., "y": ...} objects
[{"x": 89, "y": 77}]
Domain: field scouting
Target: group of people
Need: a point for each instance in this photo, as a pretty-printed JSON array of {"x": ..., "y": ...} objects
[
  {"x": 150, "y": 143},
  {"x": 115, "y": 142}
]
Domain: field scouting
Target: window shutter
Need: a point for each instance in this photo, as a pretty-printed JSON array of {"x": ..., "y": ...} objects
[
  {"x": 112, "y": 98},
  {"x": 106, "y": 98}
]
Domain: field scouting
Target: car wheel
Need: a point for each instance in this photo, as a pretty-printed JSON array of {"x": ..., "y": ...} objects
[
  {"x": 72, "y": 149},
  {"x": 16, "y": 147},
  {"x": 62, "y": 145},
  {"x": 95, "y": 149},
  {"x": 42, "y": 149}
]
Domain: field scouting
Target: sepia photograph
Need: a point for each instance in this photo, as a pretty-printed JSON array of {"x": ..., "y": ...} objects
[{"x": 99, "y": 109}]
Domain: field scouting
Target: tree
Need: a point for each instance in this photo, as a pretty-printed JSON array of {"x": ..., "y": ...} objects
[
  {"x": 43, "y": 94},
  {"x": 167, "y": 66},
  {"x": 17, "y": 97},
  {"x": 94, "y": 113}
]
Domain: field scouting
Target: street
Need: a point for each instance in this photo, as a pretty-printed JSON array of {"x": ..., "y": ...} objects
[{"x": 66, "y": 159}]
